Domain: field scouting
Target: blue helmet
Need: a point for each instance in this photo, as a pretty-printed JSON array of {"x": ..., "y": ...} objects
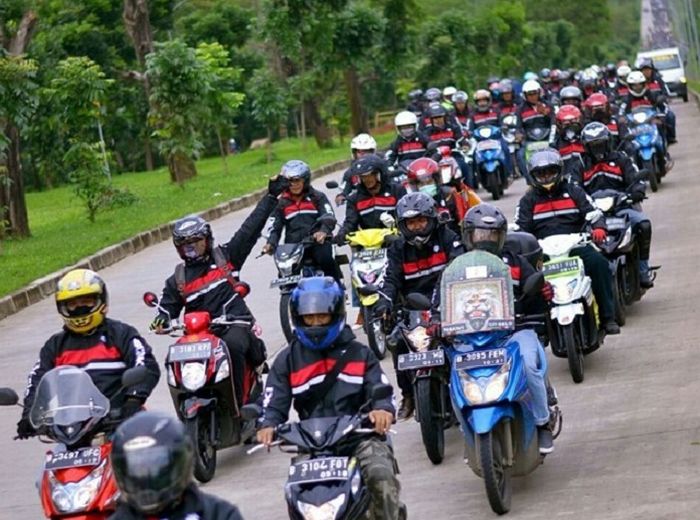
[{"x": 317, "y": 295}]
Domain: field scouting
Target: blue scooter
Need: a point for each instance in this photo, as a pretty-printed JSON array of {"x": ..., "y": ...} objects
[
  {"x": 648, "y": 143},
  {"x": 490, "y": 160}
]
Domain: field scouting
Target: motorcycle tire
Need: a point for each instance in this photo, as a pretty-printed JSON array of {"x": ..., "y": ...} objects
[
  {"x": 630, "y": 282},
  {"x": 494, "y": 186},
  {"x": 285, "y": 317},
  {"x": 574, "y": 351},
  {"x": 205, "y": 451},
  {"x": 651, "y": 167},
  {"x": 497, "y": 478},
  {"x": 376, "y": 337},
  {"x": 618, "y": 298},
  {"x": 427, "y": 396}
]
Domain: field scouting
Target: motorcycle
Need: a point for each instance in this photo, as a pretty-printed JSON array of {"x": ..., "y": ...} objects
[
  {"x": 77, "y": 480},
  {"x": 573, "y": 312},
  {"x": 201, "y": 383},
  {"x": 509, "y": 126},
  {"x": 426, "y": 362},
  {"x": 321, "y": 484},
  {"x": 648, "y": 144},
  {"x": 536, "y": 139},
  {"x": 367, "y": 266},
  {"x": 488, "y": 385},
  {"x": 489, "y": 160}
]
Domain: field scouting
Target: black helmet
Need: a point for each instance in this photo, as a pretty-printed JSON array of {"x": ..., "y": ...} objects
[
  {"x": 433, "y": 94},
  {"x": 188, "y": 230},
  {"x": 645, "y": 63},
  {"x": 415, "y": 95},
  {"x": 152, "y": 459},
  {"x": 484, "y": 227},
  {"x": 545, "y": 168},
  {"x": 436, "y": 110},
  {"x": 412, "y": 205},
  {"x": 369, "y": 164},
  {"x": 596, "y": 140}
]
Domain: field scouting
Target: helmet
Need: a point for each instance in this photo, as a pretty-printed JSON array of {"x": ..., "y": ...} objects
[
  {"x": 406, "y": 123},
  {"x": 460, "y": 97},
  {"x": 152, "y": 459},
  {"x": 545, "y": 168},
  {"x": 530, "y": 86},
  {"x": 569, "y": 121},
  {"x": 589, "y": 85},
  {"x": 415, "y": 95},
  {"x": 484, "y": 227},
  {"x": 317, "y": 295},
  {"x": 545, "y": 75},
  {"x": 424, "y": 176},
  {"x": 76, "y": 284},
  {"x": 415, "y": 205},
  {"x": 482, "y": 95},
  {"x": 555, "y": 75},
  {"x": 610, "y": 70},
  {"x": 597, "y": 107},
  {"x": 637, "y": 83},
  {"x": 622, "y": 72},
  {"x": 367, "y": 165},
  {"x": 436, "y": 111},
  {"x": 645, "y": 63},
  {"x": 596, "y": 140},
  {"x": 188, "y": 230},
  {"x": 296, "y": 169},
  {"x": 571, "y": 96},
  {"x": 529, "y": 76},
  {"x": 505, "y": 85},
  {"x": 596, "y": 70},
  {"x": 448, "y": 92},
  {"x": 564, "y": 76},
  {"x": 363, "y": 142},
  {"x": 432, "y": 94}
]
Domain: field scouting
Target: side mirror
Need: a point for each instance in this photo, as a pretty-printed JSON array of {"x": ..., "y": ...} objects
[
  {"x": 251, "y": 411},
  {"x": 242, "y": 289},
  {"x": 8, "y": 397},
  {"x": 380, "y": 392},
  {"x": 418, "y": 302},
  {"x": 150, "y": 299},
  {"x": 134, "y": 376},
  {"x": 533, "y": 284},
  {"x": 332, "y": 185},
  {"x": 368, "y": 290}
]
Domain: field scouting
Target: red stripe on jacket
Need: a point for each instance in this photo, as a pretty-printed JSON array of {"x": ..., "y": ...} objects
[
  {"x": 376, "y": 201},
  {"x": 571, "y": 148},
  {"x": 322, "y": 367},
  {"x": 203, "y": 281},
  {"x": 99, "y": 352},
  {"x": 602, "y": 167},
  {"x": 425, "y": 263},
  {"x": 554, "y": 205},
  {"x": 302, "y": 205}
]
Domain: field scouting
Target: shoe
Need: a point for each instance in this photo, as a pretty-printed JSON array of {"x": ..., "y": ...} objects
[
  {"x": 406, "y": 409},
  {"x": 360, "y": 321},
  {"x": 545, "y": 440},
  {"x": 611, "y": 327},
  {"x": 672, "y": 141}
]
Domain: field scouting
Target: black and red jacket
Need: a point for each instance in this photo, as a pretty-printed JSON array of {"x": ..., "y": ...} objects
[
  {"x": 572, "y": 154},
  {"x": 531, "y": 116},
  {"x": 363, "y": 210},
  {"x": 351, "y": 181},
  {"x": 450, "y": 136},
  {"x": 478, "y": 119},
  {"x": 207, "y": 285},
  {"x": 616, "y": 172},
  {"x": 649, "y": 99},
  {"x": 564, "y": 210},
  {"x": 297, "y": 370},
  {"x": 418, "y": 269},
  {"x": 300, "y": 218},
  {"x": 104, "y": 354},
  {"x": 462, "y": 117},
  {"x": 403, "y": 149},
  {"x": 505, "y": 108}
]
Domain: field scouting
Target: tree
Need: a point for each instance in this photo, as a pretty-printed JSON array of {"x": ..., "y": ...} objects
[{"x": 269, "y": 103}]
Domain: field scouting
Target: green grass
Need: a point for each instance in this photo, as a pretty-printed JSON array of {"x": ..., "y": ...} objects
[
  {"x": 62, "y": 234},
  {"x": 694, "y": 84}
]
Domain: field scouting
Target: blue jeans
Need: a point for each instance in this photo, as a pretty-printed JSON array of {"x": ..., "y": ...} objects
[
  {"x": 535, "y": 363},
  {"x": 670, "y": 123}
]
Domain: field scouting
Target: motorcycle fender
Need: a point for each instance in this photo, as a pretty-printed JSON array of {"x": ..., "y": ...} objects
[
  {"x": 492, "y": 166},
  {"x": 565, "y": 314},
  {"x": 646, "y": 153},
  {"x": 191, "y": 406},
  {"x": 483, "y": 420},
  {"x": 368, "y": 301}
]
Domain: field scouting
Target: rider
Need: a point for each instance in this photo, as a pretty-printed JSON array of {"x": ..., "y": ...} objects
[
  {"x": 101, "y": 346},
  {"x": 621, "y": 89},
  {"x": 533, "y": 112},
  {"x": 414, "y": 264},
  {"x": 486, "y": 114},
  {"x": 656, "y": 84},
  {"x": 447, "y": 98},
  {"x": 415, "y": 101},
  {"x": 507, "y": 104},
  {"x": 597, "y": 108},
  {"x": 607, "y": 169},
  {"x": 410, "y": 144},
  {"x": 555, "y": 206},
  {"x": 444, "y": 132},
  {"x": 461, "y": 109},
  {"x": 571, "y": 95},
  {"x": 360, "y": 146},
  {"x": 568, "y": 142},
  {"x": 324, "y": 343},
  {"x": 485, "y": 229},
  {"x": 152, "y": 459}
]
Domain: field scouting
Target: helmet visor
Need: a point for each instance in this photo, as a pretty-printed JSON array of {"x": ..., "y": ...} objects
[
  {"x": 316, "y": 302},
  {"x": 546, "y": 176}
]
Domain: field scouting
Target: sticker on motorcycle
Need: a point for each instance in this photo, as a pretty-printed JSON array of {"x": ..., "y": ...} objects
[
  {"x": 478, "y": 306},
  {"x": 316, "y": 470},
  {"x": 72, "y": 459},
  {"x": 416, "y": 360}
]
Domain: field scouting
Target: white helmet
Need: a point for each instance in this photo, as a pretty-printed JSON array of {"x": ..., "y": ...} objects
[
  {"x": 531, "y": 86},
  {"x": 449, "y": 92},
  {"x": 406, "y": 119},
  {"x": 623, "y": 71},
  {"x": 363, "y": 142},
  {"x": 636, "y": 79}
]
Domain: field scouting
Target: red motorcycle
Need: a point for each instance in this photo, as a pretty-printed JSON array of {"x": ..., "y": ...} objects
[
  {"x": 200, "y": 379},
  {"x": 77, "y": 481}
]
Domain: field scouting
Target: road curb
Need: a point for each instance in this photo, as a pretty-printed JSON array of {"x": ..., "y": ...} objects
[
  {"x": 46, "y": 286},
  {"x": 696, "y": 95}
]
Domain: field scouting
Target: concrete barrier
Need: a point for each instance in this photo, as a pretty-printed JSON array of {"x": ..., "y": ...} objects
[{"x": 46, "y": 286}]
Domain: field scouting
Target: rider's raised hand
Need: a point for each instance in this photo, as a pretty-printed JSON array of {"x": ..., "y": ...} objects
[{"x": 159, "y": 325}]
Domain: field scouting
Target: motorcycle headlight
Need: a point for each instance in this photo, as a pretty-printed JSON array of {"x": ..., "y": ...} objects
[
  {"x": 419, "y": 339},
  {"x": 627, "y": 238},
  {"x": 76, "y": 496},
  {"x": 286, "y": 265},
  {"x": 644, "y": 139},
  {"x": 194, "y": 375},
  {"x": 171, "y": 377},
  {"x": 482, "y": 390},
  {"x": 223, "y": 372},
  {"x": 327, "y": 511}
]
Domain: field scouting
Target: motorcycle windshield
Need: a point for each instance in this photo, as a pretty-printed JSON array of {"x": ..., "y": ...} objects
[
  {"x": 476, "y": 295},
  {"x": 66, "y": 395},
  {"x": 370, "y": 238}
]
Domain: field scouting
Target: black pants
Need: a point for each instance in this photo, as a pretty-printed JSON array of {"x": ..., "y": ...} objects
[
  {"x": 601, "y": 279},
  {"x": 322, "y": 256},
  {"x": 243, "y": 346},
  {"x": 403, "y": 377}
]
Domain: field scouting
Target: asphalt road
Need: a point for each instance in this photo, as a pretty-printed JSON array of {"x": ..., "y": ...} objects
[{"x": 631, "y": 440}]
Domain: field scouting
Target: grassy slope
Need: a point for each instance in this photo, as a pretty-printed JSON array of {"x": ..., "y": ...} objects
[{"x": 61, "y": 233}]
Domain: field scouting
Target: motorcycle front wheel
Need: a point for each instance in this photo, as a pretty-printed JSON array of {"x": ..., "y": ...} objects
[
  {"x": 618, "y": 298},
  {"x": 497, "y": 478},
  {"x": 375, "y": 333},
  {"x": 198, "y": 429},
  {"x": 432, "y": 429},
  {"x": 574, "y": 350},
  {"x": 285, "y": 318},
  {"x": 653, "y": 176}
]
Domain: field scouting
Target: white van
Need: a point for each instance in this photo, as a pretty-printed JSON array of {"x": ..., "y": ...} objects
[{"x": 669, "y": 63}]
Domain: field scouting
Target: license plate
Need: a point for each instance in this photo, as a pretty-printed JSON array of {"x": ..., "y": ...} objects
[
  {"x": 73, "y": 459},
  {"x": 317, "y": 470},
  {"x": 416, "y": 360},
  {"x": 370, "y": 254},
  {"x": 190, "y": 351},
  {"x": 564, "y": 266},
  {"x": 480, "y": 359},
  {"x": 287, "y": 280},
  {"x": 613, "y": 223}
]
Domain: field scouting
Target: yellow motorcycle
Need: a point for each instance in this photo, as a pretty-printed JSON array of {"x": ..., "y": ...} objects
[{"x": 369, "y": 260}]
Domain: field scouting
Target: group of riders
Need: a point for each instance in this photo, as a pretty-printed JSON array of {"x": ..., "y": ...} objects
[{"x": 437, "y": 219}]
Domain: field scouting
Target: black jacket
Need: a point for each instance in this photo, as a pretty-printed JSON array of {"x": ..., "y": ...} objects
[
  {"x": 450, "y": 136},
  {"x": 364, "y": 209},
  {"x": 207, "y": 286},
  {"x": 413, "y": 269},
  {"x": 195, "y": 505},
  {"x": 616, "y": 172},
  {"x": 572, "y": 154},
  {"x": 566, "y": 209},
  {"x": 350, "y": 181},
  {"x": 104, "y": 354},
  {"x": 297, "y": 370},
  {"x": 301, "y": 218},
  {"x": 529, "y": 117},
  {"x": 649, "y": 99},
  {"x": 402, "y": 149}
]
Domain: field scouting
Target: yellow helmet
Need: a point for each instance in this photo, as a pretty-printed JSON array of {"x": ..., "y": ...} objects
[{"x": 80, "y": 283}]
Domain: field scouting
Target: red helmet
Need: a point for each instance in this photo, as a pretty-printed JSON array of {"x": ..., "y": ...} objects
[
  {"x": 568, "y": 115},
  {"x": 421, "y": 172},
  {"x": 596, "y": 104}
]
